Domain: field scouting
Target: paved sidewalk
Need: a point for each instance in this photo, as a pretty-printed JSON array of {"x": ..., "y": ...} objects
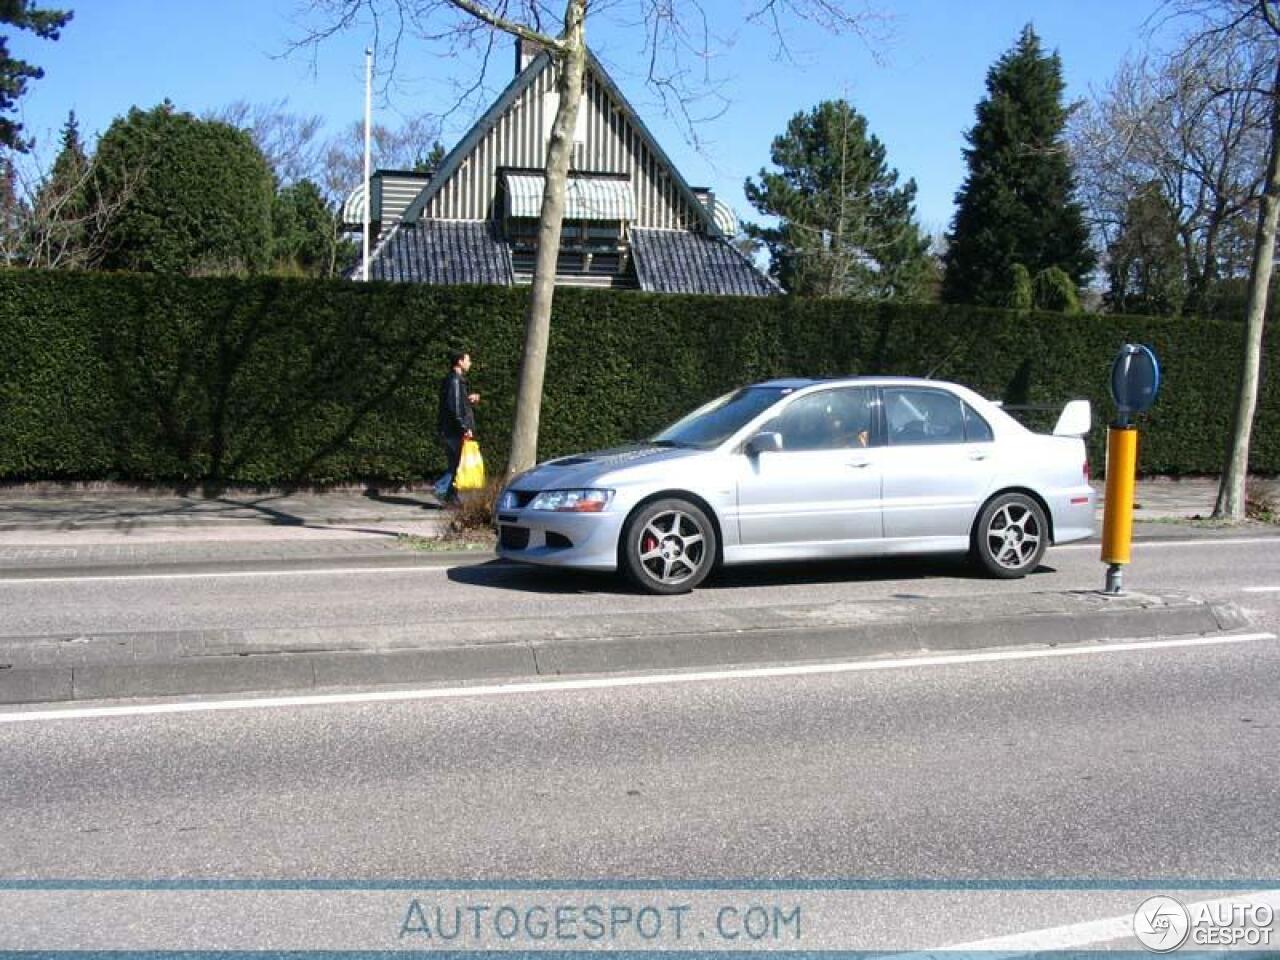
[{"x": 51, "y": 526}]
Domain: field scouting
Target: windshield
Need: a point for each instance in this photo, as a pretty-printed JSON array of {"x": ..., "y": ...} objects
[{"x": 713, "y": 423}]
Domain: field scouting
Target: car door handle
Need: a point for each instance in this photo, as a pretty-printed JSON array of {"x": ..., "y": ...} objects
[
  {"x": 858, "y": 464},
  {"x": 978, "y": 455}
]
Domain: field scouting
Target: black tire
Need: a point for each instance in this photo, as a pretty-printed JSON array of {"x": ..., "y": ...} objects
[
  {"x": 668, "y": 547},
  {"x": 1010, "y": 537}
]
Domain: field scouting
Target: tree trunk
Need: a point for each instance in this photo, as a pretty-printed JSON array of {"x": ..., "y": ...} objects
[
  {"x": 1231, "y": 490},
  {"x": 533, "y": 362}
]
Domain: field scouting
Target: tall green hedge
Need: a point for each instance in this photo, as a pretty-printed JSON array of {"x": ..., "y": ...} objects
[{"x": 276, "y": 382}]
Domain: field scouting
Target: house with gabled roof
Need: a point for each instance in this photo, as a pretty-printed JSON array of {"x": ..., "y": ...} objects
[{"x": 631, "y": 220}]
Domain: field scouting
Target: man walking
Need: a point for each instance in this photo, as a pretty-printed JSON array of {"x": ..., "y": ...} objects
[{"x": 457, "y": 421}]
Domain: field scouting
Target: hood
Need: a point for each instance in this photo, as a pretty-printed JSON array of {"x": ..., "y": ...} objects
[{"x": 588, "y": 469}]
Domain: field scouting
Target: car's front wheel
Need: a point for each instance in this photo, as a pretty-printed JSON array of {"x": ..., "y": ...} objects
[
  {"x": 669, "y": 546},
  {"x": 1011, "y": 536}
]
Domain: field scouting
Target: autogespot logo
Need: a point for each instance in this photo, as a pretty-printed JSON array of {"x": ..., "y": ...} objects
[{"x": 1161, "y": 924}]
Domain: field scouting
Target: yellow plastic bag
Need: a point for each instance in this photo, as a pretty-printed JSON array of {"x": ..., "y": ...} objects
[{"x": 470, "y": 467}]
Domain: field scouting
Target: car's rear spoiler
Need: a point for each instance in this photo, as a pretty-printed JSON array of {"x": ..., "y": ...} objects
[{"x": 1076, "y": 418}]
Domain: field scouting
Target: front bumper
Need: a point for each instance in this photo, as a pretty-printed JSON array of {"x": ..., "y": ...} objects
[{"x": 584, "y": 541}]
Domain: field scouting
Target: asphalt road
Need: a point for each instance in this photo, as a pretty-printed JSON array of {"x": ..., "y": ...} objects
[
  {"x": 280, "y": 595},
  {"x": 1109, "y": 764},
  {"x": 1106, "y": 765}
]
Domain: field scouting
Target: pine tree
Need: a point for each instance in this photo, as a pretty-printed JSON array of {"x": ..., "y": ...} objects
[
  {"x": 72, "y": 160},
  {"x": 845, "y": 226},
  {"x": 14, "y": 72},
  {"x": 1017, "y": 203},
  {"x": 59, "y": 230}
]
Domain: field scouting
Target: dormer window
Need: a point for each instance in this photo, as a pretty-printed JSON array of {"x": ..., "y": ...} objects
[{"x": 598, "y": 211}]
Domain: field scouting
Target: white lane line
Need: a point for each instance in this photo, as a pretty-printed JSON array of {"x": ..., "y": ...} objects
[
  {"x": 1148, "y": 544},
  {"x": 224, "y": 574},
  {"x": 607, "y": 683},
  {"x": 1260, "y": 589},
  {"x": 1099, "y": 931}
]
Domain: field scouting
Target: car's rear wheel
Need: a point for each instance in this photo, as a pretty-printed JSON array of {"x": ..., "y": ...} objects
[
  {"x": 1010, "y": 536},
  {"x": 669, "y": 546}
]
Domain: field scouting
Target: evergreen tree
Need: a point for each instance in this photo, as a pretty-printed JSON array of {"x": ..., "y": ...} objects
[
  {"x": 1017, "y": 203},
  {"x": 14, "y": 73},
  {"x": 430, "y": 163},
  {"x": 1018, "y": 291},
  {"x": 57, "y": 232},
  {"x": 1052, "y": 289},
  {"x": 199, "y": 195},
  {"x": 845, "y": 226},
  {"x": 12, "y": 213},
  {"x": 303, "y": 231},
  {"x": 1146, "y": 266}
]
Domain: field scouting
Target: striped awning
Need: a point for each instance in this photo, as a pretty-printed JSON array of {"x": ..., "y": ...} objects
[
  {"x": 586, "y": 198},
  {"x": 353, "y": 208}
]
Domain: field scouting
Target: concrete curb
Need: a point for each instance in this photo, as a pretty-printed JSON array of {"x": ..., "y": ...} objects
[{"x": 225, "y": 662}]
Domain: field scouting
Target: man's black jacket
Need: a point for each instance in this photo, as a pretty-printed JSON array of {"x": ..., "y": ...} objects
[{"x": 456, "y": 416}]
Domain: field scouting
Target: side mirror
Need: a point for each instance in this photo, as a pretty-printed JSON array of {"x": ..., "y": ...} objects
[
  {"x": 1076, "y": 419},
  {"x": 763, "y": 443}
]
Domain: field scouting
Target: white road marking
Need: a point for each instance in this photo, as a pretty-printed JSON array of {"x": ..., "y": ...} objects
[
  {"x": 1095, "y": 931},
  {"x": 1260, "y": 589},
  {"x": 224, "y": 574},
  {"x": 607, "y": 683}
]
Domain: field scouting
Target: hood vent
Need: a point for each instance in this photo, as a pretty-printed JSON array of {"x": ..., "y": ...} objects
[{"x": 617, "y": 455}]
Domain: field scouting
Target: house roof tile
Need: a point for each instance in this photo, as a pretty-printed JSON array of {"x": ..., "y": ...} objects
[
  {"x": 676, "y": 261},
  {"x": 443, "y": 252}
]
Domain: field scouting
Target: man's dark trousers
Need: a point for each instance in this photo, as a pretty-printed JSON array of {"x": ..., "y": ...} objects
[{"x": 452, "y": 443}]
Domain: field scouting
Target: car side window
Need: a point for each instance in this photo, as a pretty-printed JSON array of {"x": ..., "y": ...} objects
[
  {"x": 917, "y": 417},
  {"x": 828, "y": 420},
  {"x": 976, "y": 429}
]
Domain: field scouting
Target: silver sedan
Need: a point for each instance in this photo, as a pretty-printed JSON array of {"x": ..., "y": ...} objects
[{"x": 803, "y": 469}]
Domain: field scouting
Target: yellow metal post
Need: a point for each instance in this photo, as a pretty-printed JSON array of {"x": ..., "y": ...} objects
[{"x": 1117, "y": 517}]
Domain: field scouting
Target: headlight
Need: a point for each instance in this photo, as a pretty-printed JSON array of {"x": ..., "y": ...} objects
[{"x": 572, "y": 501}]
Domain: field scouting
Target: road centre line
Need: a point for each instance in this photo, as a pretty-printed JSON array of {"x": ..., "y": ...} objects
[
  {"x": 607, "y": 683},
  {"x": 1260, "y": 589},
  {"x": 1091, "y": 931}
]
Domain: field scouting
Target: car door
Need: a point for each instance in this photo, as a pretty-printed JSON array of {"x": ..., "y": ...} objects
[
  {"x": 938, "y": 463},
  {"x": 823, "y": 486}
]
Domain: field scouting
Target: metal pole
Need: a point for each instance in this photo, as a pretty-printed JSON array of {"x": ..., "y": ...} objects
[
  {"x": 368, "y": 137},
  {"x": 1117, "y": 517}
]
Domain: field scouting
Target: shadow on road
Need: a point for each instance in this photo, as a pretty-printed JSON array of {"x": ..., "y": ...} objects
[
  {"x": 502, "y": 575},
  {"x": 426, "y": 502}
]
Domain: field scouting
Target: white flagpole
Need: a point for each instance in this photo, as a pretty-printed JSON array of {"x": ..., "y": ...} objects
[{"x": 368, "y": 122}]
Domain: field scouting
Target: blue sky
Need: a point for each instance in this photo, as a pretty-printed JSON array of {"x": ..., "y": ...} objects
[{"x": 917, "y": 89}]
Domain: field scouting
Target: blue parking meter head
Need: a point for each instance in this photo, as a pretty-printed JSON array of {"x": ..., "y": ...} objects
[{"x": 1135, "y": 380}]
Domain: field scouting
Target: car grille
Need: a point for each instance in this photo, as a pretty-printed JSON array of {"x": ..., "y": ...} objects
[{"x": 513, "y": 538}]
